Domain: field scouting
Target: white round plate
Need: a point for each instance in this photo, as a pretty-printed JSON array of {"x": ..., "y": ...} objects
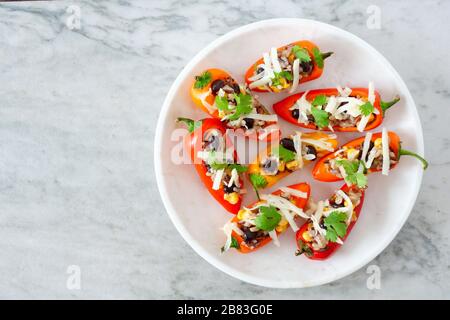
[{"x": 389, "y": 199}]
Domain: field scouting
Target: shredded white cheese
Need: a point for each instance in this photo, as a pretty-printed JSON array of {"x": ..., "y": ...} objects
[
  {"x": 304, "y": 108},
  {"x": 344, "y": 92},
  {"x": 294, "y": 192},
  {"x": 348, "y": 204},
  {"x": 320, "y": 144},
  {"x": 385, "y": 149},
  {"x": 371, "y": 93},
  {"x": 363, "y": 123},
  {"x": 217, "y": 179},
  {"x": 366, "y": 146},
  {"x": 282, "y": 203},
  {"x": 274, "y": 59},
  {"x": 298, "y": 148},
  {"x": 228, "y": 229},
  {"x": 234, "y": 179},
  {"x": 273, "y": 235},
  {"x": 315, "y": 218},
  {"x": 371, "y": 157},
  {"x": 263, "y": 117},
  {"x": 331, "y": 106},
  {"x": 263, "y": 133}
]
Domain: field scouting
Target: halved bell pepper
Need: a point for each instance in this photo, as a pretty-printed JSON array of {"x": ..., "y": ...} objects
[
  {"x": 194, "y": 143},
  {"x": 258, "y": 171},
  {"x": 240, "y": 242},
  {"x": 206, "y": 90},
  {"x": 304, "y": 241},
  {"x": 315, "y": 65},
  {"x": 282, "y": 107},
  {"x": 321, "y": 170}
]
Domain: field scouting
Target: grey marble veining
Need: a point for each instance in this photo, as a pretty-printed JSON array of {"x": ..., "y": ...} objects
[{"x": 78, "y": 110}]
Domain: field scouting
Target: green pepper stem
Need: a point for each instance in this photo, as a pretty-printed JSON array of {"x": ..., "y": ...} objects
[
  {"x": 387, "y": 104},
  {"x": 326, "y": 55},
  {"x": 191, "y": 124},
  {"x": 403, "y": 152}
]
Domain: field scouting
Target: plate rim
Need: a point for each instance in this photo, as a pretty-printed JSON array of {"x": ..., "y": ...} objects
[{"x": 162, "y": 185}]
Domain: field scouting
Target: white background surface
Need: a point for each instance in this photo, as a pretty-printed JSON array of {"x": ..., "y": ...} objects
[{"x": 77, "y": 120}]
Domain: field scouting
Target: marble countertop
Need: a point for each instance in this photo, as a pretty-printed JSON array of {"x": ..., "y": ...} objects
[{"x": 78, "y": 113}]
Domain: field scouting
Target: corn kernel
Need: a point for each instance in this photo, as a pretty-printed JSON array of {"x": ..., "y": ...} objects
[
  {"x": 281, "y": 166},
  {"x": 232, "y": 198},
  {"x": 292, "y": 164},
  {"x": 280, "y": 228},
  {"x": 306, "y": 236},
  {"x": 352, "y": 153},
  {"x": 377, "y": 142},
  {"x": 283, "y": 222},
  {"x": 346, "y": 203},
  {"x": 221, "y": 113},
  {"x": 241, "y": 214}
]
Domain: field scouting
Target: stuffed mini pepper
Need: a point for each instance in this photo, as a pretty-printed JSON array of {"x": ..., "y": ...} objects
[
  {"x": 335, "y": 109},
  {"x": 374, "y": 152},
  {"x": 284, "y": 68},
  {"x": 216, "y": 167},
  {"x": 262, "y": 222},
  {"x": 330, "y": 224},
  {"x": 218, "y": 94},
  {"x": 291, "y": 154}
]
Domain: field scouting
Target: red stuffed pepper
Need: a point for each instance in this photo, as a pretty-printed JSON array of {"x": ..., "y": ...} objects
[
  {"x": 286, "y": 67},
  {"x": 335, "y": 109},
  {"x": 374, "y": 152},
  {"x": 330, "y": 223},
  {"x": 217, "y": 168},
  {"x": 257, "y": 225},
  {"x": 218, "y": 94}
]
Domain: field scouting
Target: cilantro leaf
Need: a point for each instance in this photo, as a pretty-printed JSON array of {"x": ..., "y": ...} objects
[
  {"x": 301, "y": 53},
  {"x": 218, "y": 166},
  {"x": 284, "y": 154},
  {"x": 202, "y": 80},
  {"x": 366, "y": 109},
  {"x": 268, "y": 218},
  {"x": 336, "y": 226},
  {"x": 350, "y": 166},
  {"x": 234, "y": 244},
  {"x": 191, "y": 124},
  {"x": 243, "y": 105},
  {"x": 258, "y": 181},
  {"x": 319, "y": 100},
  {"x": 351, "y": 169},
  {"x": 318, "y": 57},
  {"x": 286, "y": 74},
  {"x": 320, "y": 117},
  {"x": 222, "y": 103},
  {"x": 331, "y": 235}
]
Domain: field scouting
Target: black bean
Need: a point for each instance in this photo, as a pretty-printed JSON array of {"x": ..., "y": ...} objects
[
  {"x": 259, "y": 70},
  {"x": 310, "y": 118},
  {"x": 306, "y": 66},
  {"x": 228, "y": 189},
  {"x": 249, "y": 123},
  {"x": 217, "y": 85},
  {"x": 270, "y": 165},
  {"x": 236, "y": 88},
  {"x": 311, "y": 150},
  {"x": 288, "y": 144},
  {"x": 295, "y": 113},
  {"x": 249, "y": 235}
]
